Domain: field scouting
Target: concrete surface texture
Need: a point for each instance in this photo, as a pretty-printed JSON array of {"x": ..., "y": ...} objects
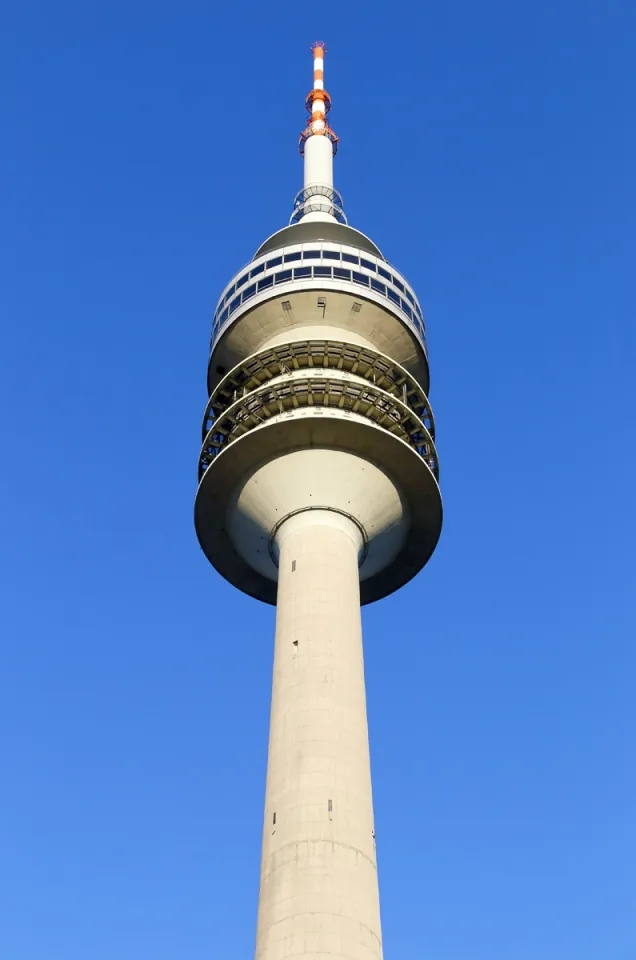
[
  {"x": 337, "y": 479},
  {"x": 319, "y": 888}
]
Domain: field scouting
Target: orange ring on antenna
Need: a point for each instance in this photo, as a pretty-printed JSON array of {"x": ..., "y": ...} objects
[{"x": 318, "y": 95}]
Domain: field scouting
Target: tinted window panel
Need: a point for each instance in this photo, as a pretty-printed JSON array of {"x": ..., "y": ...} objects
[
  {"x": 330, "y": 255},
  {"x": 255, "y": 272},
  {"x": 234, "y": 304},
  {"x": 384, "y": 273},
  {"x": 407, "y": 310},
  {"x": 312, "y": 254},
  {"x": 393, "y": 296},
  {"x": 276, "y": 262},
  {"x": 301, "y": 272},
  {"x": 292, "y": 256},
  {"x": 265, "y": 283},
  {"x": 360, "y": 278},
  {"x": 349, "y": 258},
  {"x": 228, "y": 295},
  {"x": 239, "y": 283},
  {"x": 249, "y": 291},
  {"x": 367, "y": 264},
  {"x": 376, "y": 285},
  {"x": 282, "y": 275},
  {"x": 399, "y": 285},
  {"x": 322, "y": 271},
  {"x": 340, "y": 273},
  {"x": 409, "y": 295}
]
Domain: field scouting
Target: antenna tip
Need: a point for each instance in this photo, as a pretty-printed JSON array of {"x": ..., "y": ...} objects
[{"x": 318, "y": 45}]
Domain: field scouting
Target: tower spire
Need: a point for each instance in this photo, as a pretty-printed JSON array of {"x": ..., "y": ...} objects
[
  {"x": 318, "y": 103},
  {"x": 318, "y": 145}
]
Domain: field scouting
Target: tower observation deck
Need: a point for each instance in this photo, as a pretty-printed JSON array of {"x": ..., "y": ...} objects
[{"x": 318, "y": 491}]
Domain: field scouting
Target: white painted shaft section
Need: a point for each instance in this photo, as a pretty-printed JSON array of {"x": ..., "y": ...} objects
[
  {"x": 318, "y": 161},
  {"x": 319, "y": 888},
  {"x": 318, "y": 171},
  {"x": 319, "y": 69}
]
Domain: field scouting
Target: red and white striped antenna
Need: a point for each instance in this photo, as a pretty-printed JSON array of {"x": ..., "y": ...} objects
[
  {"x": 318, "y": 144},
  {"x": 318, "y": 102}
]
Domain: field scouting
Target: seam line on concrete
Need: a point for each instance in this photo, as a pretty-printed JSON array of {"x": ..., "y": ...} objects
[
  {"x": 323, "y": 953},
  {"x": 333, "y": 843},
  {"x": 324, "y": 913}
]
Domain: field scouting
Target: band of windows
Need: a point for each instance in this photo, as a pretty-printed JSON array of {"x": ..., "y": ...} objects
[
  {"x": 317, "y": 255},
  {"x": 406, "y": 302}
]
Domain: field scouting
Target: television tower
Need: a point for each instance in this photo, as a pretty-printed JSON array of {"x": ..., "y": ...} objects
[{"x": 318, "y": 491}]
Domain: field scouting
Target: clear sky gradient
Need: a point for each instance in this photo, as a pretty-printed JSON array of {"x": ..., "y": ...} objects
[{"x": 147, "y": 149}]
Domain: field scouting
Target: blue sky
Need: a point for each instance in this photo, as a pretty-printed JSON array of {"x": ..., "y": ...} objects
[{"x": 148, "y": 148}]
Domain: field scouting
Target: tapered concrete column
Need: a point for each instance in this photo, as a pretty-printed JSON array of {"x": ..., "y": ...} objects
[{"x": 319, "y": 888}]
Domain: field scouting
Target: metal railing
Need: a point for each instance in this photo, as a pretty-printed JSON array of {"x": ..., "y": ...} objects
[
  {"x": 348, "y": 358},
  {"x": 289, "y": 394}
]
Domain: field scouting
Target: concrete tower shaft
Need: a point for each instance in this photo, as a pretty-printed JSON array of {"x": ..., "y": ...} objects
[
  {"x": 319, "y": 887},
  {"x": 318, "y": 491}
]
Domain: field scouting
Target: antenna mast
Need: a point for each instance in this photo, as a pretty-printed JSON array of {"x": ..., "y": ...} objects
[{"x": 318, "y": 145}]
